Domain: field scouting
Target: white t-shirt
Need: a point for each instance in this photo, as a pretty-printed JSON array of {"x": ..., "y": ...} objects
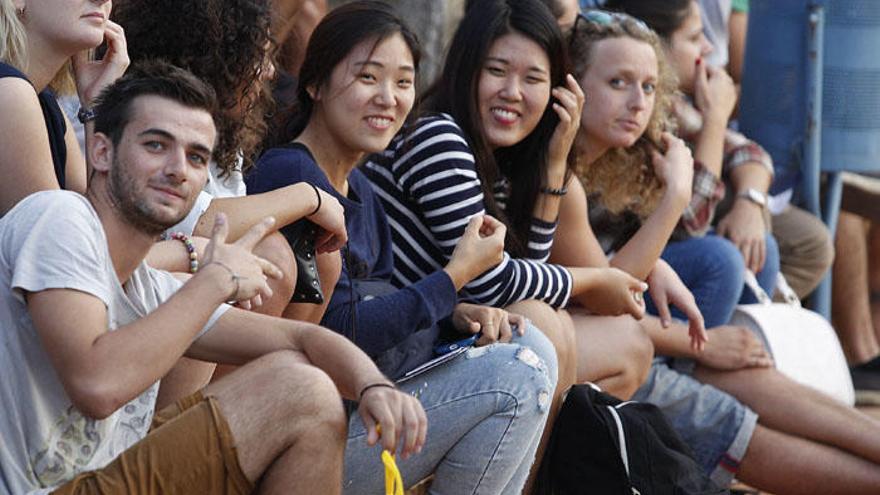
[
  {"x": 228, "y": 186},
  {"x": 50, "y": 240}
]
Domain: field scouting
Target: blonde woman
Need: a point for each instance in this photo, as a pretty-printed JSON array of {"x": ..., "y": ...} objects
[
  {"x": 737, "y": 413},
  {"x": 44, "y": 47}
]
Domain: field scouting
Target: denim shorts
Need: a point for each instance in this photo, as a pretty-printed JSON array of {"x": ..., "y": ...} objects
[{"x": 715, "y": 425}]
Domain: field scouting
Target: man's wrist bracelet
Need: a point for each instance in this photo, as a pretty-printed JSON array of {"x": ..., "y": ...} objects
[
  {"x": 190, "y": 250},
  {"x": 318, "y": 194},
  {"x": 233, "y": 276},
  {"x": 374, "y": 385}
]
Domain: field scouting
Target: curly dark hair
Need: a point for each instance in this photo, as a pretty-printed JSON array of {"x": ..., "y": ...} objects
[{"x": 224, "y": 43}]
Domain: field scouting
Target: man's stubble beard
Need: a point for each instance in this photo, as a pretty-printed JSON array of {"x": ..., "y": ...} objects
[{"x": 132, "y": 206}]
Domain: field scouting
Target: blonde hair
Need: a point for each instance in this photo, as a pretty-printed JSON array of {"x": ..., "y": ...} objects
[
  {"x": 13, "y": 41},
  {"x": 624, "y": 178}
]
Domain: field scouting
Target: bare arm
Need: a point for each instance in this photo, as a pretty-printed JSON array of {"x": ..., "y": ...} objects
[
  {"x": 675, "y": 169},
  {"x": 746, "y": 222},
  {"x": 737, "y": 27},
  {"x": 570, "y": 104},
  {"x": 240, "y": 336},
  {"x": 25, "y": 156},
  {"x": 714, "y": 97},
  {"x": 92, "y": 76},
  {"x": 287, "y": 205},
  {"x": 172, "y": 256},
  {"x": 102, "y": 370},
  {"x": 75, "y": 169},
  {"x": 576, "y": 244}
]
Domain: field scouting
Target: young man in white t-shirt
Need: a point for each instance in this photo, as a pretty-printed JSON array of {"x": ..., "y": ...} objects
[{"x": 88, "y": 330}]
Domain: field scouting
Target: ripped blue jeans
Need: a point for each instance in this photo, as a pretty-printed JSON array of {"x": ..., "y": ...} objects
[{"x": 486, "y": 411}]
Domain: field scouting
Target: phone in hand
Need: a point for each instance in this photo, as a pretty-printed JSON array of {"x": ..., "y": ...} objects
[{"x": 447, "y": 347}]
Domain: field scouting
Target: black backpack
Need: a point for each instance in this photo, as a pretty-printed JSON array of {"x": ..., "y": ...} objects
[{"x": 605, "y": 446}]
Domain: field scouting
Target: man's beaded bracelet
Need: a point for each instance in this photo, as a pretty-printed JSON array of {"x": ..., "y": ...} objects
[{"x": 190, "y": 249}]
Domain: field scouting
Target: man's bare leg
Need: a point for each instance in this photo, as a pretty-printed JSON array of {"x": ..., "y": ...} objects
[
  {"x": 791, "y": 408},
  {"x": 288, "y": 423},
  {"x": 874, "y": 275},
  {"x": 784, "y": 464},
  {"x": 851, "y": 312}
]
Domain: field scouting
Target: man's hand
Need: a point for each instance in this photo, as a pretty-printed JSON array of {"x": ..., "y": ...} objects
[
  {"x": 247, "y": 272},
  {"x": 330, "y": 217},
  {"x": 615, "y": 293},
  {"x": 394, "y": 417},
  {"x": 480, "y": 248},
  {"x": 666, "y": 287},
  {"x": 734, "y": 348},
  {"x": 744, "y": 226},
  {"x": 495, "y": 324}
]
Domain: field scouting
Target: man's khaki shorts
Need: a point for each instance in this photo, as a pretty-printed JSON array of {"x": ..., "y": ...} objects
[{"x": 189, "y": 450}]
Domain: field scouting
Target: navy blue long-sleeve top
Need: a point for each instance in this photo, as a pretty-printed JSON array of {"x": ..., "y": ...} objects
[{"x": 384, "y": 321}]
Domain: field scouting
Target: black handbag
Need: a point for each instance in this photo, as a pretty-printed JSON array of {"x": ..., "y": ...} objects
[{"x": 301, "y": 236}]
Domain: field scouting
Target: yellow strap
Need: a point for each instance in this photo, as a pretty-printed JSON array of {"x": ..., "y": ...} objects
[{"x": 393, "y": 481}]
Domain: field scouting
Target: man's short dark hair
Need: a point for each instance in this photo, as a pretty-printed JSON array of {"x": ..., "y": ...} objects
[{"x": 154, "y": 78}]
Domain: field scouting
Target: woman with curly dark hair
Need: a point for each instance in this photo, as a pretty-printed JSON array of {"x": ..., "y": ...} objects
[
  {"x": 223, "y": 43},
  {"x": 227, "y": 44}
]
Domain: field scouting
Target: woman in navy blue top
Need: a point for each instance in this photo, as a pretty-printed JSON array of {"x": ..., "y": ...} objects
[
  {"x": 38, "y": 150},
  {"x": 486, "y": 407}
]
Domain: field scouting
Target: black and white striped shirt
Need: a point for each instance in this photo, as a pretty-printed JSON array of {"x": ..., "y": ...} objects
[{"x": 428, "y": 185}]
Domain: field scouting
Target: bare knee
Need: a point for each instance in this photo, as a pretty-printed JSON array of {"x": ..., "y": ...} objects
[
  {"x": 641, "y": 353},
  {"x": 296, "y": 393},
  {"x": 559, "y": 329}
]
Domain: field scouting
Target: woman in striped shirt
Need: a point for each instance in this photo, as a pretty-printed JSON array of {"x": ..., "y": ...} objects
[{"x": 493, "y": 142}]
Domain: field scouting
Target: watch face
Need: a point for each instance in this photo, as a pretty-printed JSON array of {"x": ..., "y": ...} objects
[{"x": 756, "y": 196}]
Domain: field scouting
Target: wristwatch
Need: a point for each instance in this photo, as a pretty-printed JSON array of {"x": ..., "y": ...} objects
[
  {"x": 86, "y": 114},
  {"x": 755, "y": 196}
]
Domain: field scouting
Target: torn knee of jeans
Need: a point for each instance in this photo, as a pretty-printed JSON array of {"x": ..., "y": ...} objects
[
  {"x": 529, "y": 357},
  {"x": 543, "y": 400},
  {"x": 475, "y": 352}
]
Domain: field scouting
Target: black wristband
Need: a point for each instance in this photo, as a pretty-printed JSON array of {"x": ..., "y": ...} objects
[
  {"x": 318, "y": 194},
  {"x": 562, "y": 191},
  {"x": 374, "y": 385}
]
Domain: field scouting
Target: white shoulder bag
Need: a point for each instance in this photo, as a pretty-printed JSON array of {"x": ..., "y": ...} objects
[{"x": 802, "y": 343}]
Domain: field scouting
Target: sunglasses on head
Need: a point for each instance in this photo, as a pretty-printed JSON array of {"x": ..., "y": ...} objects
[{"x": 606, "y": 18}]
